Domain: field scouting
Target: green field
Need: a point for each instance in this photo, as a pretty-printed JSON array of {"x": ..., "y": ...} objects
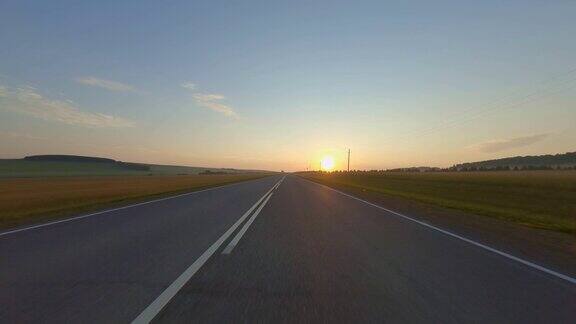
[
  {"x": 10, "y": 168},
  {"x": 542, "y": 199}
]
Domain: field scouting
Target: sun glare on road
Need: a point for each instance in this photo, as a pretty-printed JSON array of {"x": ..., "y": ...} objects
[{"x": 327, "y": 163}]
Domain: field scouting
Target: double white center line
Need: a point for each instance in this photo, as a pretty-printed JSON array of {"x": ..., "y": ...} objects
[
  {"x": 238, "y": 236},
  {"x": 161, "y": 301}
]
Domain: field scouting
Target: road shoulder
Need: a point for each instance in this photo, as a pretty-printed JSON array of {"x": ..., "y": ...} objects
[{"x": 551, "y": 249}]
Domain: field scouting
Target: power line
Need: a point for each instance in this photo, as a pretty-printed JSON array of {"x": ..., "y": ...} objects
[{"x": 495, "y": 105}]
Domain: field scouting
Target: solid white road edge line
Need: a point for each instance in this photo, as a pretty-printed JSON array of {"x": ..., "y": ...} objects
[
  {"x": 162, "y": 300},
  {"x": 116, "y": 209},
  {"x": 480, "y": 245},
  {"x": 239, "y": 235}
]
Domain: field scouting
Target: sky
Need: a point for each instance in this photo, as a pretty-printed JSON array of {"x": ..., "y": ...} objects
[{"x": 277, "y": 85}]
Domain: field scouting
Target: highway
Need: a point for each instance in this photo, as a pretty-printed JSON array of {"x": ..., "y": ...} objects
[{"x": 276, "y": 250}]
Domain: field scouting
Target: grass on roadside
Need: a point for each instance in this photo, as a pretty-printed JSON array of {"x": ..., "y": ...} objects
[
  {"x": 26, "y": 200},
  {"x": 541, "y": 199}
]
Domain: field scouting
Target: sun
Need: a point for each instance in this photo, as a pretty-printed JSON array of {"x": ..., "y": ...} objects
[{"x": 327, "y": 163}]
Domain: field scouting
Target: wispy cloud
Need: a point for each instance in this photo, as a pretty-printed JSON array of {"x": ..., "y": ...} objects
[
  {"x": 106, "y": 84},
  {"x": 507, "y": 144},
  {"x": 28, "y": 101},
  {"x": 188, "y": 85},
  {"x": 20, "y": 135},
  {"x": 3, "y": 91},
  {"x": 210, "y": 100}
]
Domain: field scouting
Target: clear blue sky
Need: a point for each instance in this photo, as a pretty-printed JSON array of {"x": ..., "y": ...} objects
[{"x": 277, "y": 85}]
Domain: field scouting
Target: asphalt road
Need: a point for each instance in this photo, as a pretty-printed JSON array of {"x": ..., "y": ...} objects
[{"x": 267, "y": 251}]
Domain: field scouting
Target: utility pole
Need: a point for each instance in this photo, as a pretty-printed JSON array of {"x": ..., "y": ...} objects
[{"x": 348, "y": 160}]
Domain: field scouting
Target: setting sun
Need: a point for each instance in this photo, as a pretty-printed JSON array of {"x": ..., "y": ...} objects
[{"x": 327, "y": 163}]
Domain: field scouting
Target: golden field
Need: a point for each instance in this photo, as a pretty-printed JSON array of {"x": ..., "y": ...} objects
[{"x": 24, "y": 200}]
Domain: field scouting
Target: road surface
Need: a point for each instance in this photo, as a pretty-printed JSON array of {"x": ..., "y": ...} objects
[{"x": 267, "y": 250}]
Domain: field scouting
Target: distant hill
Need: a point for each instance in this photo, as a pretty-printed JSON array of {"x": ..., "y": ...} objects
[
  {"x": 68, "y": 158},
  {"x": 76, "y": 165},
  {"x": 534, "y": 162}
]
